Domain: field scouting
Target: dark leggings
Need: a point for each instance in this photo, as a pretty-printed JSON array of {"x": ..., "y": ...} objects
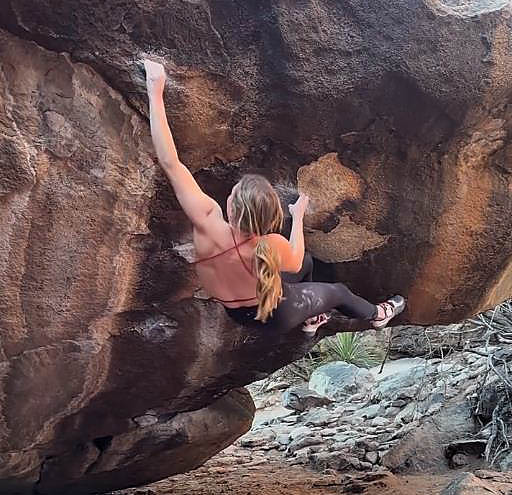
[{"x": 303, "y": 299}]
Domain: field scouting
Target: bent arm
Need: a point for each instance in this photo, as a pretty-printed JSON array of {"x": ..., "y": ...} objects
[
  {"x": 291, "y": 253},
  {"x": 297, "y": 244},
  {"x": 196, "y": 204}
]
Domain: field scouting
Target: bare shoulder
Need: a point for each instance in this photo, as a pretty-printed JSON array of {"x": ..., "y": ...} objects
[
  {"x": 279, "y": 243},
  {"x": 275, "y": 239},
  {"x": 213, "y": 222}
]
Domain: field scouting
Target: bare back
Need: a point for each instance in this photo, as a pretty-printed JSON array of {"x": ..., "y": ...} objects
[{"x": 226, "y": 266}]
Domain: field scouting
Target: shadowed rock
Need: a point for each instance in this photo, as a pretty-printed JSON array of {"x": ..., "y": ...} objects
[{"x": 109, "y": 357}]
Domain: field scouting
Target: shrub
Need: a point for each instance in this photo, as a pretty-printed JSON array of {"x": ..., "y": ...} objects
[{"x": 351, "y": 348}]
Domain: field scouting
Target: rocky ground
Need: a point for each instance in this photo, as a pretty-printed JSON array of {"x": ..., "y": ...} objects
[
  {"x": 238, "y": 471},
  {"x": 348, "y": 430}
]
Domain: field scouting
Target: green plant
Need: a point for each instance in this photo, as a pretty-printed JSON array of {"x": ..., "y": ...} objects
[{"x": 351, "y": 348}]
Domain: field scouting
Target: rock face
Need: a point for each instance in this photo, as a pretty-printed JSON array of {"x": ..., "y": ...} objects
[
  {"x": 107, "y": 361},
  {"x": 106, "y": 355},
  {"x": 413, "y": 122}
]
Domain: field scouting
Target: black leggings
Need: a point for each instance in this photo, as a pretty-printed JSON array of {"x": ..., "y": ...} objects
[{"x": 303, "y": 299}]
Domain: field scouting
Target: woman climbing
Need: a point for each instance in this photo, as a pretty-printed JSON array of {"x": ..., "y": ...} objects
[{"x": 244, "y": 263}]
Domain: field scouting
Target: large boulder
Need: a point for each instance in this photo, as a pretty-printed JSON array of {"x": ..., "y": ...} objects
[
  {"x": 394, "y": 120},
  {"x": 113, "y": 374},
  {"x": 404, "y": 382},
  {"x": 424, "y": 447},
  {"x": 338, "y": 379},
  {"x": 397, "y": 115}
]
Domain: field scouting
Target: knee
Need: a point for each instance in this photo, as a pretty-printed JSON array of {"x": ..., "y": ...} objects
[{"x": 343, "y": 289}]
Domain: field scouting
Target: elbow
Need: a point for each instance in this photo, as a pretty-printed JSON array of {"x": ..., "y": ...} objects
[
  {"x": 297, "y": 267},
  {"x": 304, "y": 263}
]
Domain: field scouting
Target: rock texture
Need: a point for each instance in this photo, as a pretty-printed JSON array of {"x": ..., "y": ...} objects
[
  {"x": 105, "y": 354},
  {"x": 416, "y": 418},
  {"x": 406, "y": 103},
  {"x": 103, "y": 351}
]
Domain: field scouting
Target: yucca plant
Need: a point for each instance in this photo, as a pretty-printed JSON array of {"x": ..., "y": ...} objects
[{"x": 351, "y": 348}]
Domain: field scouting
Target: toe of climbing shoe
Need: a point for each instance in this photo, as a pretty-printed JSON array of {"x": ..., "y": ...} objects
[{"x": 392, "y": 307}]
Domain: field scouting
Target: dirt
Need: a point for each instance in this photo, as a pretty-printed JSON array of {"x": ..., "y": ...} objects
[{"x": 236, "y": 471}]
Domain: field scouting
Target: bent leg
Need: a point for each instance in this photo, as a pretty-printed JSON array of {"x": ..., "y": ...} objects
[{"x": 304, "y": 300}]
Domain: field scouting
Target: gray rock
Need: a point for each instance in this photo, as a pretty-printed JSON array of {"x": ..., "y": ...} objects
[
  {"x": 291, "y": 419},
  {"x": 342, "y": 444},
  {"x": 424, "y": 446},
  {"x": 146, "y": 420},
  {"x": 379, "y": 421},
  {"x": 402, "y": 384},
  {"x": 459, "y": 460},
  {"x": 369, "y": 412},
  {"x": 391, "y": 412},
  {"x": 304, "y": 441},
  {"x": 329, "y": 432},
  {"x": 367, "y": 444},
  {"x": 506, "y": 462},
  {"x": 278, "y": 385},
  {"x": 357, "y": 397},
  {"x": 334, "y": 460},
  {"x": 299, "y": 432},
  {"x": 258, "y": 438},
  {"x": 318, "y": 417},
  {"x": 269, "y": 446},
  {"x": 406, "y": 415},
  {"x": 337, "y": 380},
  {"x": 283, "y": 438},
  {"x": 301, "y": 399},
  {"x": 302, "y": 456},
  {"x": 355, "y": 420}
]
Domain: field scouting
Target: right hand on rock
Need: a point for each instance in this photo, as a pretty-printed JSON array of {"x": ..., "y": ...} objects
[
  {"x": 155, "y": 75},
  {"x": 298, "y": 209}
]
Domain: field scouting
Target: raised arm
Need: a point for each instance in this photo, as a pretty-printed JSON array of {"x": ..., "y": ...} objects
[{"x": 197, "y": 205}]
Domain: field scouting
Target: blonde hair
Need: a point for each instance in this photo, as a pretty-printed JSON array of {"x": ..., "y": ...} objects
[{"x": 256, "y": 209}]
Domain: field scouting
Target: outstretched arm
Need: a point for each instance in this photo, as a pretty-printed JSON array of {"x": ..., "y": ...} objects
[{"x": 197, "y": 205}]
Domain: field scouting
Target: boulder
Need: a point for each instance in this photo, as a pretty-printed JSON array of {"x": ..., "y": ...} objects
[
  {"x": 403, "y": 133},
  {"x": 506, "y": 462},
  {"x": 423, "y": 447},
  {"x": 300, "y": 399},
  {"x": 405, "y": 380},
  {"x": 469, "y": 484},
  {"x": 399, "y": 135},
  {"x": 338, "y": 380}
]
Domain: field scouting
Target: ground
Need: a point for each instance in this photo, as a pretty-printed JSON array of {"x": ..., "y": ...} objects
[{"x": 236, "y": 471}]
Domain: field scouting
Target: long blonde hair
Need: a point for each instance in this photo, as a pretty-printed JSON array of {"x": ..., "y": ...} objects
[{"x": 255, "y": 209}]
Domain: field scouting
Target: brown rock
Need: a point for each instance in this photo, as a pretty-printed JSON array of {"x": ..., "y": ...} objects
[
  {"x": 423, "y": 448},
  {"x": 469, "y": 484},
  {"x": 328, "y": 184},
  {"x": 348, "y": 241},
  {"x": 417, "y": 148},
  {"x": 99, "y": 323}
]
